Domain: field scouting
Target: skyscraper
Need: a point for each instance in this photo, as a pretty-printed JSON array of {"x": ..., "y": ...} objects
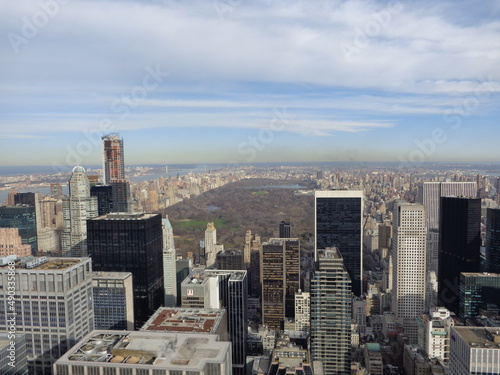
[
  {"x": 284, "y": 229},
  {"x": 331, "y": 313},
  {"x": 338, "y": 223},
  {"x": 429, "y": 194},
  {"x": 493, "y": 240},
  {"x": 77, "y": 208},
  {"x": 477, "y": 289},
  {"x": 409, "y": 269},
  {"x": 211, "y": 247},
  {"x": 23, "y": 218},
  {"x": 113, "y": 158},
  {"x": 459, "y": 246},
  {"x": 280, "y": 280},
  {"x": 114, "y": 171},
  {"x": 124, "y": 242},
  {"x": 104, "y": 195},
  {"x": 53, "y": 306},
  {"x": 169, "y": 265}
]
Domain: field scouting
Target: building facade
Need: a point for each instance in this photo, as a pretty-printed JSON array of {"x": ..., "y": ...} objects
[
  {"x": 476, "y": 291},
  {"x": 124, "y": 242},
  {"x": 169, "y": 265},
  {"x": 493, "y": 240},
  {"x": 339, "y": 223},
  {"x": 23, "y": 218}
]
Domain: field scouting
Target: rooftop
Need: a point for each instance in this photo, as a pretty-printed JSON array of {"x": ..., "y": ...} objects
[
  {"x": 45, "y": 263},
  {"x": 185, "y": 320},
  {"x": 111, "y": 275},
  {"x": 125, "y": 216},
  {"x": 184, "y": 352},
  {"x": 479, "y": 337},
  {"x": 199, "y": 275}
]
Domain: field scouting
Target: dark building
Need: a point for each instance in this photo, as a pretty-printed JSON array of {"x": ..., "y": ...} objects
[
  {"x": 25, "y": 198},
  {"x": 493, "y": 240},
  {"x": 477, "y": 290},
  {"x": 280, "y": 280},
  {"x": 331, "y": 313},
  {"x": 120, "y": 195},
  {"x": 183, "y": 269},
  {"x": 104, "y": 194},
  {"x": 114, "y": 159},
  {"x": 24, "y": 218},
  {"x": 125, "y": 242},
  {"x": 229, "y": 260},
  {"x": 459, "y": 246},
  {"x": 339, "y": 215},
  {"x": 284, "y": 229}
]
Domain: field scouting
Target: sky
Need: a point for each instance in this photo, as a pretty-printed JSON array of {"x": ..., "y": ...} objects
[{"x": 240, "y": 81}]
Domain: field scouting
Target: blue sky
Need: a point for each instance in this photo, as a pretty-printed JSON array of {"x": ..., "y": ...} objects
[{"x": 235, "y": 81}]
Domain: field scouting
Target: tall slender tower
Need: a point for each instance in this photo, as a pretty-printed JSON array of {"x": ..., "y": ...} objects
[
  {"x": 338, "y": 223},
  {"x": 77, "y": 208},
  {"x": 409, "y": 271},
  {"x": 169, "y": 264},
  {"x": 459, "y": 246},
  {"x": 331, "y": 313},
  {"x": 493, "y": 240},
  {"x": 210, "y": 244},
  {"x": 114, "y": 171}
]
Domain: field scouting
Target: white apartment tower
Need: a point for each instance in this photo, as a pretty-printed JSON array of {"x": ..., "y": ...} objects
[
  {"x": 169, "y": 264},
  {"x": 302, "y": 311},
  {"x": 77, "y": 208},
  {"x": 210, "y": 244},
  {"x": 409, "y": 265}
]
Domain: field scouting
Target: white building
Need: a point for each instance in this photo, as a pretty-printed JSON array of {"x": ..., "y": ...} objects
[
  {"x": 409, "y": 270},
  {"x": 169, "y": 264},
  {"x": 77, "y": 208},
  {"x": 210, "y": 244},
  {"x": 302, "y": 311},
  {"x": 146, "y": 353},
  {"x": 434, "y": 333},
  {"x": 474, "y": 351},
  {"x": 53, "y": 306}
]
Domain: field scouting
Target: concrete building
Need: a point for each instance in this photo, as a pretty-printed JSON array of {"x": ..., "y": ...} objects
[
  {"x": 11, "y": 243},
  {"x": 339, "y": 223},
  {"x": 415, "y": 361},
  {"x": 183, "y": 268},
  {"x": 113, "y": 300},
  {"x": 302, "y": 311},
  {"x": 290, "y": 359},
  {"x": 169, "y": 264},
  {"x": 373, "y": 359},
  {"x": 230, "y": 260},
  {"x": 434, "y": 333},
  {"x": 13, "y": 355},
  {"x": 409, "y": 270},
  {"x": 77, "y": 209},
  {"x": 474, "y": 351},
  {"x": 114, "y": 171},
  {"x": 331, "y": 313},
  {"x": 54, "y": 306},
  {"x": 146, "y": 353}
]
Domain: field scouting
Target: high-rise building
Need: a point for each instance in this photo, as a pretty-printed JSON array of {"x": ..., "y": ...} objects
[
  {"x": 113, "y": 300},
  {"x": 493, "y": 240},
  {"x": 210, "y": 244},
  {"x": 459, "y": 246},
  {"x": 302, "y": 311},
  {"x": 434, "y": 333},
  {"x": 474, "y": 351},
  {"x": 120, "y": 192},
  {"x": 477, "y": 290},
  {"x": 11, "y": 243},
  {"x": 429, "y": 194},
  {"x": 53, "y": 306},
  {"x": 77, "y": 209},
  {"x": 113, "y": 158},
  {"x": 13, "y": 354},
  {"x": 222, "y": 289},
  {"x": 331, "y": 313},
  {"x": 124, "y": 242},
  {"x": 409, "y": 242},
  {"x": 25, "y": 199},
  {"x": 280, "y": 280},
  {"x": 23, "y": 218},
  {"x": 56, "y": 190},
  {"x": 183, "y": 269},
  {"x": 169, "y": 265},
  {"x": 229, "y": 260},
  {"x": 104, "y": 195},
  {"x": 338, "y": 223},
  {"x": 284, "y": 229},
  {"x": 373, "y": 359},
  {"x": 146, "y": 353}
]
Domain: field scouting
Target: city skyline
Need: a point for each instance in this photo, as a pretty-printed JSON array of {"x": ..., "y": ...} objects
[{"x": 246, "y": 82}]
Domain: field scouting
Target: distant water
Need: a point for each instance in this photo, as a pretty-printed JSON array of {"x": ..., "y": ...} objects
[{"x": 4, "y": 194}]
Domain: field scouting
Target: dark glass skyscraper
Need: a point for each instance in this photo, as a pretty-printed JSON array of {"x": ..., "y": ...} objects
[
  {"x": 121, "y": 242},
  {"x": 285, "y": 229},
  {"x": 493, "y": 240},
  {"x": 104, "y": 194},
  {"x": 459, "y": 245},
  {"x": 24, "y": 218},
  {"x": 338, "y": 219}
]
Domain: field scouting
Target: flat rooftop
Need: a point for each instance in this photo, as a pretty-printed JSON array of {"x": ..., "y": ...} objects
[
  {"x": 111, "y": 275},
  {"x": 480, "y": 337},
  {"x": 45, "y": 263},
  {"x": 199, "y": 276},
  {"x": 184, "y": 352},
  {"x": 125, "y": 216},
  {"x": 185, "y": 320}
]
